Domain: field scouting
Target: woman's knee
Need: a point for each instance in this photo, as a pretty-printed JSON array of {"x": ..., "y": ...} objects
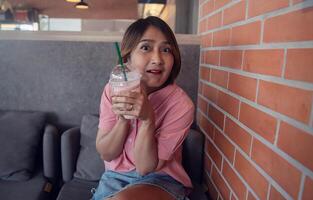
[
  {"x": 119, "y": 197},
  {"x": 142, "y": 192}
]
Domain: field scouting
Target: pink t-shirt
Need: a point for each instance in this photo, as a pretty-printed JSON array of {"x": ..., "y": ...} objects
[{"x": 174, "y": 113}]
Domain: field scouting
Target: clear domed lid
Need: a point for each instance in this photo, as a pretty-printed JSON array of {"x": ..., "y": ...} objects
[{"x": 117, "y": 74}]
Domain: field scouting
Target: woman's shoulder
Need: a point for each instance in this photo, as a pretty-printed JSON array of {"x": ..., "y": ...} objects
[
  {"x": 172, "y": 97},
  {"x": 180, "y": 97}
]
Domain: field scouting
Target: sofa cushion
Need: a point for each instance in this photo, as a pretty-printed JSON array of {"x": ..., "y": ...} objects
[
  {"x": 20, "y": 137},
  {"x": 89, "y": 164},
  {"x": 77, "y": 189},
  {"x": 32, "y": 189}
]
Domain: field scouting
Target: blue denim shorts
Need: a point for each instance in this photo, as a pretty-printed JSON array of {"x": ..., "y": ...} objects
[{"x": 112, "y": 182}]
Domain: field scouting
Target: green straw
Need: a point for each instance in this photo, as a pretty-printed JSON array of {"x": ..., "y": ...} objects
[{"x": 121, "y": 60}]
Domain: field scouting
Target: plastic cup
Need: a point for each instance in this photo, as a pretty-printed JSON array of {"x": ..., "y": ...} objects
[{"x": 118, "y": 83}]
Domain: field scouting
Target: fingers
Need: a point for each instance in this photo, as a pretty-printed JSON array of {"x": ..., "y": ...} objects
[
  {"x": 130, "y": 94},
  {"x": 127, "y": 97},
  {"x": 122, "y": 106},
  {"x": 133, "y": 98},
  {"x": 124, "y": 100},
  {"x": 129, "y": 103},
  {"x": 131, "y": 110}
]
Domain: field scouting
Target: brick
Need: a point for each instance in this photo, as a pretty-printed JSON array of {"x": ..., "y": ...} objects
[
  {"x": 201, "y": 11},
  {"x": 212, "y": 190},
  {"x": 198, "y": 117},
  {"x": 221, "y": 38},
  {"x": 202, "y": 104},
  {"x": 277, "y": 167},
  {"x": 246, "y": 34},
  {"x": 207, "y": 127},
  {"x": 220, "y": 3},
  {"x": 203, "y": 57},
  {"x": 231, "y": 58},
  {"x": 204, "y": 73},
  {"x": 214, "y": 21},
  {"x": 210, "y": 93},
  {"x": 250, "y": 196},
  {"x": 206, "y": 40},
  {"x": 234, "y": 13},
  {"x": 219, "y": 77},
  {"x": 269, "y": 62},
  {"x": 275, "y": 195},
  {"x": 220, "y": 183},
  {"x": 228, "y": 103},
  {"x": 216, "y": 116},
  {"x": 262, "y": 123},
  {"x": 296, "y": 143},
  {"x": 208, "y": 7},
  {"x": 212, "y": 57},
  {"x": 297, "y": 1},
  {"x": 293, "y": 26},
  {"x": 224, "y": 146},
  {"x": 214, "y": 154},
  {"x": 250, "y": 174},
  {"x": 202, "y": 25},
  {"x": 257, "y": 7},
  {"x": 282, "y": 99},
  {"x": 299, "y": 65},
  {"x": 234, "y": 181},
  {"x": 243, "y": 86},
  {"x": 238, "y": 135},
  {"x": 308, "y": 192}
]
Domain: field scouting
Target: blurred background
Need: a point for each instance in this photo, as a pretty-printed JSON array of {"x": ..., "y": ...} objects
[{"x": 95, "y": 15}]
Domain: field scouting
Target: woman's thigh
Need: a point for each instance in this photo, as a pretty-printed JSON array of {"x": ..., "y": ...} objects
[{"x": 143, "y": 192}]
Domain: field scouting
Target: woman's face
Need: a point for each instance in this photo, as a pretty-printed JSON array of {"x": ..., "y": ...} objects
[{"x": 153, "y": 58}]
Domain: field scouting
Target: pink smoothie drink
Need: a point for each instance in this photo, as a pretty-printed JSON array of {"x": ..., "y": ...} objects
[{"x": 119, "y": 84}]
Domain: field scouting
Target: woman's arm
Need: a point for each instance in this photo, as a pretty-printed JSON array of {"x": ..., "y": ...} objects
[
  {"x": 145, "y": 152},
  {"x": 145, "y": 148},
  {"x": 110, "y": 144}
]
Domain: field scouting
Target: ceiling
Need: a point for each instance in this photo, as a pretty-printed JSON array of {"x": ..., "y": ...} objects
[{"x": 98, "y": 9}]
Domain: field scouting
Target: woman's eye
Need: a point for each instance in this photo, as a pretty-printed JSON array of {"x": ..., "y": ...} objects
[
  {"x": 145, "y": 47},
  {"x": 167, "y": 50}
]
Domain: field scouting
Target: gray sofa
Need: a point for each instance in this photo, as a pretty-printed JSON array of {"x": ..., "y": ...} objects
[
  {"x": 82, "y": 166},
  {"x": 65, "y": 79},
  {"x": 29, "y": 156}
]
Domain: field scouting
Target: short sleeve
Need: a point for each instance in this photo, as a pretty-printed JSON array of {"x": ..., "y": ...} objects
[
  {"x": 174, "y": 129},
  {"x": 107, "y": 118}
]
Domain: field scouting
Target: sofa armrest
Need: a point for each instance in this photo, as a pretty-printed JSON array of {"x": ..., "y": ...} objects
[
  {"x": 198, "y": 192},
  {"x": 51, "y": 152},
  {"x": 193, "y": 155},
  {"x": 70, "y": 146}
]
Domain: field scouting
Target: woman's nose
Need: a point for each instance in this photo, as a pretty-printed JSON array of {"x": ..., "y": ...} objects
[{"x": 157, "y": 58}]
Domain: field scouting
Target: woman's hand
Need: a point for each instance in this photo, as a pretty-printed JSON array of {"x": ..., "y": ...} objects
[{"x": 134, "y": 103}]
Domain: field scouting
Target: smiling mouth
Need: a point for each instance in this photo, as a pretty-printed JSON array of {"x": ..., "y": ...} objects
[{"x": 154, "y": 71}]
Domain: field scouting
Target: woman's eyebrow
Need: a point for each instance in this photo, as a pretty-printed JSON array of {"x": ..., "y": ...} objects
[
  {"x": 153, "y": 41},
  {"x": 146, "y": 40}
]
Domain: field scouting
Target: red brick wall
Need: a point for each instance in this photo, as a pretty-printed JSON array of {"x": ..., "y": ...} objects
[{"x": 255, "y": 98}]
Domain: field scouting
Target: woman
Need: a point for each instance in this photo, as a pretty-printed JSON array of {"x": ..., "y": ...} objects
[{"x": 143, "y": 156}]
